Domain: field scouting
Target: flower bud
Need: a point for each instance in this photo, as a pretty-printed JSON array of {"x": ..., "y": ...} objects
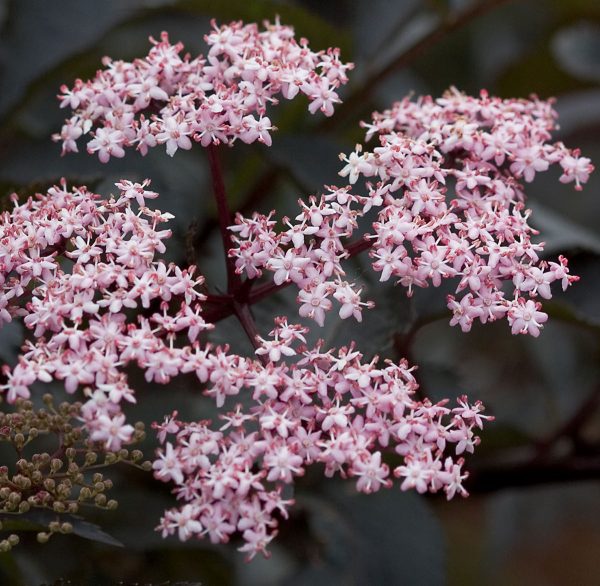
[
  {"x": 14, "y": 498},
  {"x": 85, "y": 494},
  {"x": 110, "y": 458},
  {"x": 42, "y": 537},
  {"x": 58, "y": 506},
  {"x": 90, "y": 458}
]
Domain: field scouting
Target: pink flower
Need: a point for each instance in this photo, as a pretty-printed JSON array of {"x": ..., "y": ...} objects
[
  {"x": 525, "y": 317},
  {"x": 112, "y": 431},
  {"x": 314, "y": 303},
  {"x": 168, "y": 467},
  {"x": 175, "y": 134},
  {"x": 107, "y": 143},
  {"x": 372, "y": 474}
]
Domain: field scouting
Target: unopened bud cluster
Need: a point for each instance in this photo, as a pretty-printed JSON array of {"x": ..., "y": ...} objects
[{"x": 62, "y": 480}]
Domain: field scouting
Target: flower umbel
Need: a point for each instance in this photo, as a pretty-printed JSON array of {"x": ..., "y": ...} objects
[
  {"x": 444, "y": 187},
  {"x": 174, "y": 100}
]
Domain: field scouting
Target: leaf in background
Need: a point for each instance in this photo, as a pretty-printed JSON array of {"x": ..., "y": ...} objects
[
  {"x": 577, "y": 50},
  {"x": 388, "y": 537},
  {"x": 381, "y": 23},
  {"x": 393, "y": 313},
  {"x": 313, "y": 161},
  {"x": 582, "y": 300},
  {"x": 532, "y": 533},
  {"x": 579, "y": 111},
  {"x": 560, "y": 233},
  {"x": 37, "y": 38},
  {"x": 532, "y": 384},
  {"x": 35, "y": 520},
  {"x": 319, "y": 32}
]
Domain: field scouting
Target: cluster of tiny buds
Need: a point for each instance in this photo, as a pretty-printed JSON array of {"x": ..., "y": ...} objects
[
  {"x": 446, "y": 182},
  {"x": 59, "y": 482},
  {"x": 172, "y": 100}
]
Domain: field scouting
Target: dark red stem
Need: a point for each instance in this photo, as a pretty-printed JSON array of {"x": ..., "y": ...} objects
[{"x": 225, "y": 216}]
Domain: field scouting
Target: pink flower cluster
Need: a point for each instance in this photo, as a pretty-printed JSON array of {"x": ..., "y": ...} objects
[
  {"x": 111, "y": 304},
  {"x": 445, "y": 187},
  {"x": 88, "y": 321},
  {"x": 168, "y": 99},
  {"x": 446, "y": 182},
  {"x": 317, "y": 407}
]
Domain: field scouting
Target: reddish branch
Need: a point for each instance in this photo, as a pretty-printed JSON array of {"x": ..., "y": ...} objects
[{"x": 224, "y": 214}]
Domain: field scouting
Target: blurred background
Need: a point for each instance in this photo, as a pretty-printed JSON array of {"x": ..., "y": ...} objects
[{"x": 534, "y": 512}]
